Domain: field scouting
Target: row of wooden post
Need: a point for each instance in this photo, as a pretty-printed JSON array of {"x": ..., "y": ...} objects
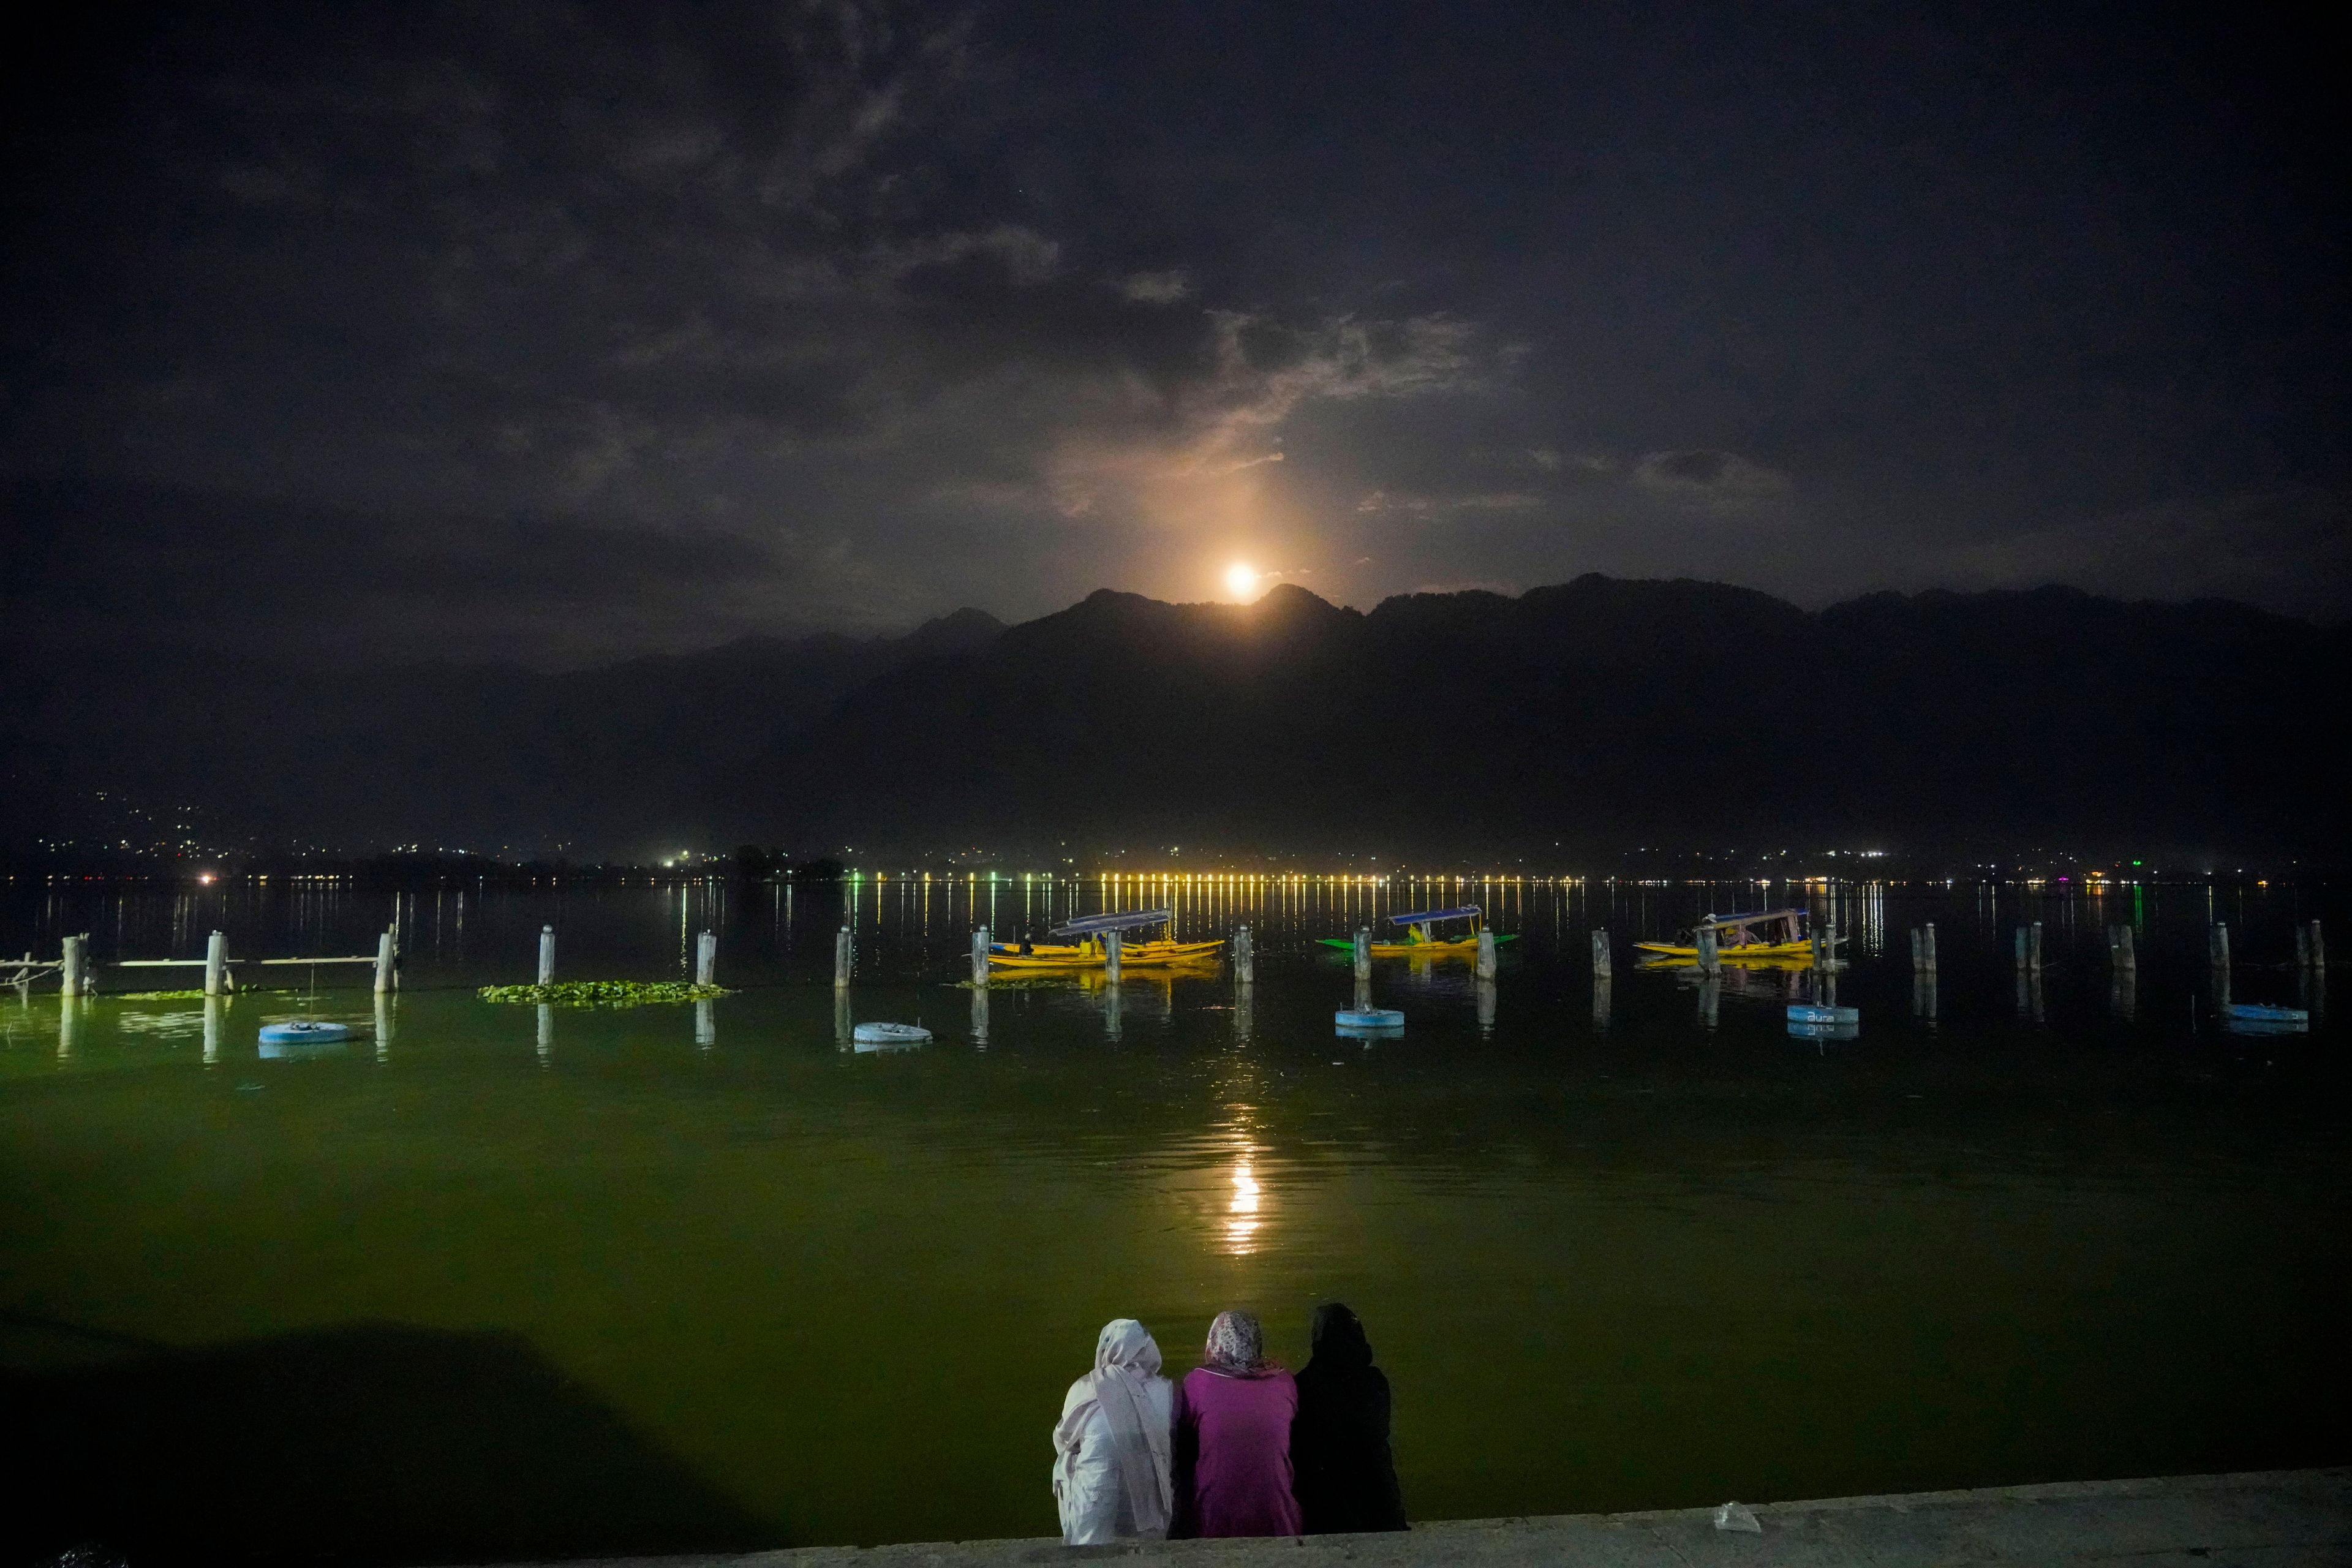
[
  {"x": 78, "y": 975},
  {"x": 76, "y": 971},
  {"x": 78, "y": 979},
  {"x": 706, "y": 956},
  {"x": 2310, "y": 947}
]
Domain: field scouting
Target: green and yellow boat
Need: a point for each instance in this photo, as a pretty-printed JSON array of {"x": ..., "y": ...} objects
[{"x": 1421, "y": 940}]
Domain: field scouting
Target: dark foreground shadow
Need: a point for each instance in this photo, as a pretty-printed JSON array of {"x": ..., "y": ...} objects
[{"x": 367, "y": 1444}]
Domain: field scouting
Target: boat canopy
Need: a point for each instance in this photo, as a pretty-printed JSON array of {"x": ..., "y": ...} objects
[
  {"x": 1423, "y": 917},
  {"x": 1725, "y": 922},
  {"x": 1119, "y": 920}
]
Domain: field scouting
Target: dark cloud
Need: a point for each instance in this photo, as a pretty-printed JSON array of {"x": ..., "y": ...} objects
[
  {"x": 1718, "y": 476},
  {"x": 113, "y": 566},
  {"x": 859, "y": 311}
]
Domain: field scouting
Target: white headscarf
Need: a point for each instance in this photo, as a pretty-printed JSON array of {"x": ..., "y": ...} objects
[{"x": 1125, "y": 1361}]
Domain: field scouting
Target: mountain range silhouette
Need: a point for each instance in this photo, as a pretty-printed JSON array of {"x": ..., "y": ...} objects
[{"x": 1593, "y": 715}]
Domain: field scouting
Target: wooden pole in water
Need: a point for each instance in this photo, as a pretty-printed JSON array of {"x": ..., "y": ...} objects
[
  {"x": 706, "y": 958},
  {"x": 547, "y": 955},
  {"x": 1927, "y": 932},
  {"x": 2318, "y": 948},
  {"x": 980, "y": 956},
  {"x": 1603, "y": 965},
  {"x": 841, "y": 958},
  {"x": 2217, "y": 942},
  {"x": 2033, "y": 946},
  {"x": 2302, "y": 947},
  {"x": 215, "y": 963},
  {"x": 384, "y": 962},
  {"x": 2120, "y": 951},
  {"x": 1485, "y": 956},
  {"x": 69, "y": 962},
  {"x": 1110, "y": 959},
  {"x": 1363, "y": 954},
  {"x": 1245, "y": 958},
  {"x": 1708, "y": 962}
]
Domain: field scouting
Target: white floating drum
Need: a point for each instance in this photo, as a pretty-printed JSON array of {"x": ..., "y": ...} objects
[{"x": 889, "y": 1037}]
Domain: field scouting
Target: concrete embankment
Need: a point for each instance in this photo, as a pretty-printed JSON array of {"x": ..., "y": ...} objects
[{"x": 2276, "y": 1519}]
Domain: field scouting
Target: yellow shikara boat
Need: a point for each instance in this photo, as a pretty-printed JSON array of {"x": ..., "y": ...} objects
[
  {"x": 1773, "y": 936},
  {"x": 1092, "y": 952}
]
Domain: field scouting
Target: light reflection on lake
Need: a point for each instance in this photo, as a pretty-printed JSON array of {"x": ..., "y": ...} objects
[{"x": 1619, "y": 1244}]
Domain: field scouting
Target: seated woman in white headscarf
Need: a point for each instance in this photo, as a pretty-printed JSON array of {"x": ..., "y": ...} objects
[{"x": 1111, "y": 1446}]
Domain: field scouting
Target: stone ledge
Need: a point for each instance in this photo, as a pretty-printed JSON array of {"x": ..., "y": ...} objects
[{"x": 2272, "y": 1519}]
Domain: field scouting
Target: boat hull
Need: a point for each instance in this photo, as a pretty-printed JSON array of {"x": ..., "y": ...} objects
[
  {"x": 1467, "y": 947},
  {"x": 1137, "y": 955},
  {"x": 1754, "y": 949}
]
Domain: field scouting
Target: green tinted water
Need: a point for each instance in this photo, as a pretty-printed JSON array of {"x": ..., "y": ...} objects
[{"x": 492, "y": 1280}]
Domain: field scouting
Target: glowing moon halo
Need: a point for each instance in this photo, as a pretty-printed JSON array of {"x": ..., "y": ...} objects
[{"x": 1241, "y": 580}]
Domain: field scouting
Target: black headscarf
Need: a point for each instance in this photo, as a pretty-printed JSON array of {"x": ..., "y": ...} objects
[{"x": 1346, "y": 1475}]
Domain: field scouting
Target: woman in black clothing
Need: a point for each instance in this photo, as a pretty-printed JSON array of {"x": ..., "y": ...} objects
[{"x": 1346, "y": 1477}]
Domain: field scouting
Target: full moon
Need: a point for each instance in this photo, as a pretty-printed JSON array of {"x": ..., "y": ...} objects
[{"x": 1241, "y": 580}]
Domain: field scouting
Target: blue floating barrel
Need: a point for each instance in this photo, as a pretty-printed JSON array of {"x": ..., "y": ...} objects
[
  {"x": 303, "y": 1037},
  {"x": 304, "y": 1032},
  {"x": 2258, "y": 1013},
  {"x": 1822, "y": 1013},
  {"x": 1387, "y": 1019},
  {"x": 889, "y": 1037},
  {"x": 2256, "y": 1019}
]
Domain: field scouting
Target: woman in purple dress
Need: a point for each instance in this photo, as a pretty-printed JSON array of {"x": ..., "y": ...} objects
[{"x": 1232, "y": 1438}]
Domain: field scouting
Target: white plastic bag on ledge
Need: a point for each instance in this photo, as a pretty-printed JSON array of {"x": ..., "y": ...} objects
[{"x": 1737, "y": 1516}]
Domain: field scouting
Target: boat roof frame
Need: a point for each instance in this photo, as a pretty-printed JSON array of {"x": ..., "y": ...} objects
[
  {"x": 1427, "y": 917},
  {"x": 1114, "y": 920},
  {"x": 1726, "y": 922}
]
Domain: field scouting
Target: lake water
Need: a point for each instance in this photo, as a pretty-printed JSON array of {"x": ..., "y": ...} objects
[{"x": 491, "y": 1281}]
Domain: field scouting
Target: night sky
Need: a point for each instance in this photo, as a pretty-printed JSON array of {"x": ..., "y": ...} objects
[{"x": 559, "y": 332}]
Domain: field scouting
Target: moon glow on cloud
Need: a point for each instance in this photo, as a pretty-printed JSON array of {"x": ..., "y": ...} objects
[{"x": 567, "y": 332}]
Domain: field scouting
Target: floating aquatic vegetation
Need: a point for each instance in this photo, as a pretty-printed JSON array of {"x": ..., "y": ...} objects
[
  {"x": 198, "y": 995},
  {"x": 603, "y": 993},
  {"x": 1020, "y": 982}
]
